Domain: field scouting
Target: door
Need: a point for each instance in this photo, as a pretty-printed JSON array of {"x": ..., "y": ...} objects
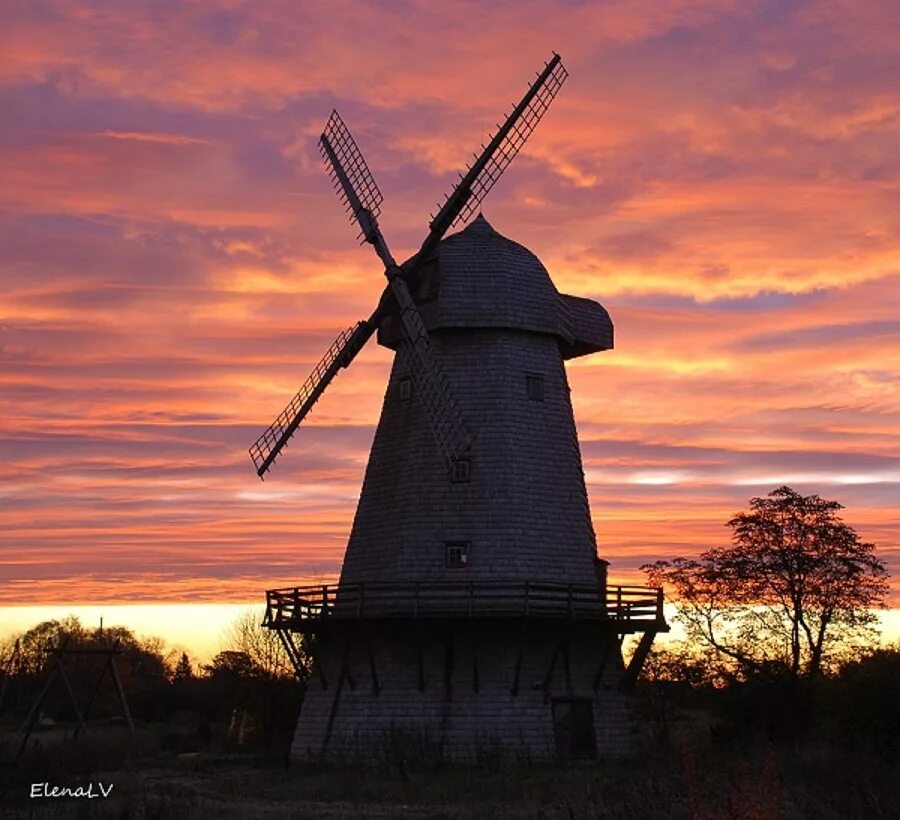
[{"x": 573, "y": 728}]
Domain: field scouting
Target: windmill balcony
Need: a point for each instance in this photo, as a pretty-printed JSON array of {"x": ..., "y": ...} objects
[{"x": 627, "y": 609}]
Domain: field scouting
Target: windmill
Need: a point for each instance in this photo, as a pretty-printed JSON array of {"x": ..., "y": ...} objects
[{"x": 472, "y": 610}]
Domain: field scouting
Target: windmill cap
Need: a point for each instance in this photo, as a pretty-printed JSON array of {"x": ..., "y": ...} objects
[{"x": 481, "y": 279}]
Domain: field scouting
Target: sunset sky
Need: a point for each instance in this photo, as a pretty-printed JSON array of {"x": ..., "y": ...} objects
[{"x": 723, "y": 176}]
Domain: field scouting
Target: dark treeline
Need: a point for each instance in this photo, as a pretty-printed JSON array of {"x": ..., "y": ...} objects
[
  {"x": 247, "y": 696},
  {"x": 781, "y": 664},
  {"x": 684, "y": 695},
  {"x": 769, "y": 744},
  {"x": 718, "y": 741}
]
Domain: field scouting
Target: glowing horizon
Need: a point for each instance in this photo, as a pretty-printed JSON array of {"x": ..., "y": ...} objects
[{"x": 722, "y": 177}]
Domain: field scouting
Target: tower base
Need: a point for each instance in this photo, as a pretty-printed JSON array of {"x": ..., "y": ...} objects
[{"x": 465, "y": 691}]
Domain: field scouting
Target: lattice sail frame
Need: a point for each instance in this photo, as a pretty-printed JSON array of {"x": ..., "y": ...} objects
[
  {"x": 354, "y": 165},
  {"x": 266, "y": 448},
  {"x": 520, "y": 130},
  {"x": 345, "y": 162},
  {"x": 448, "y": 426}
]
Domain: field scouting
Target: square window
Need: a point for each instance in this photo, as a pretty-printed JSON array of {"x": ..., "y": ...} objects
[
  {"x": 457, "y": 553},
  {"x": 461, "y": 471},
  {"x": 405, "y": 389},
  {"x": 534, "y": 386}
]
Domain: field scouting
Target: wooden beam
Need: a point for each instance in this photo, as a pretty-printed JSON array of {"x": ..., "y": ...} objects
[
  {"x": 121, "y": 691},
  {"x": 637, "y": 661},
  {"x": 420, "y": 662},
  {"x": 293, "y": 652},
  {"x": 448, "y": 666},
  {"x": 370, "y": 656},
  {"x": 32, "y": 715},
  {"x": 339, "y": 686},
  {"x": 71, "y": 691},
  {"x": 473, "y": 644},
  {"x": 93, "y": 697},
  {"x": 545, "y": 685},
  {"x": 514, "y": 691}
]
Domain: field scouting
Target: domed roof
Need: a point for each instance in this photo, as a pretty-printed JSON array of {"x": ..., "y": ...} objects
[
  {"x": 481, "y": 279},
  {"x": 487, "y": 280}
]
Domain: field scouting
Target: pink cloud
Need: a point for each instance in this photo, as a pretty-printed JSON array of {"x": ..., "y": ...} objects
[{"x": 724, "y": 179}]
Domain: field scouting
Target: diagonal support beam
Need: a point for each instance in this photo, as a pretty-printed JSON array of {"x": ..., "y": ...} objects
[
  {"x": 370, "y": 656},
  {"x": 335, "y": 702},
  {"x": 520, "y": 654},
  {"x": 629, "y": 679}
]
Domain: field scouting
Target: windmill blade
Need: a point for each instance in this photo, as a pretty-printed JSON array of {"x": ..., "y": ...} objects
[
  {"x": 266, "y": 448},
  {"x": 474, "y": 186},
  {"x": 448, "y": 426},
  {"x": 362, "y": 200},
  {"x": 351, "y": 176}
]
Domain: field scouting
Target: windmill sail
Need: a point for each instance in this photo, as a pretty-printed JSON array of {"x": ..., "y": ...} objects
[
  {"x": 266, "y": 448},
  {"x": 351, "y": 176},
  {"x": 474, "y": 186},
  {"x": 349, "y": 169},
  {"x": 451, "y": 434}
]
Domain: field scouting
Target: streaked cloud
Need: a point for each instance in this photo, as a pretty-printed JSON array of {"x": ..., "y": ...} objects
[{"x": 722, "y": 175}]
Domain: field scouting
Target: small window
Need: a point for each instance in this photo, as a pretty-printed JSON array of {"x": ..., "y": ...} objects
[
  {"x": 534, "y": 386},
  {"x": 457, "y": 554},
  {"x": 461, "y": 471},
  {"x": 405, "y": 389}
]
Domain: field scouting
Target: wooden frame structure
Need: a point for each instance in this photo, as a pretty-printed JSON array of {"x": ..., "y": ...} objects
[
  {"x": 628, "y": 609},
  {"x": 57, "y": 655},
  {"x": 314, "y": 610}
]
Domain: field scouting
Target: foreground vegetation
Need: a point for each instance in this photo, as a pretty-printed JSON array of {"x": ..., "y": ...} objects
[
  {"x": 752, "y": 781},
  {"x": 707, "y": 751}
]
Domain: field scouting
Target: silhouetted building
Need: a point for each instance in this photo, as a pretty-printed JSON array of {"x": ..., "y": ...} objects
[{"x": 472, "y": 614}]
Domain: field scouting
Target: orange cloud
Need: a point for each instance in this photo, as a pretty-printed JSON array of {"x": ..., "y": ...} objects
[{"x": 723, "y": 178}]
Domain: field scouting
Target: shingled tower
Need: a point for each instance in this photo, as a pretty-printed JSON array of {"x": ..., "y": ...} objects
[
  {"x": 518, "y": 502},
  {"x": 472, "y": 613}
]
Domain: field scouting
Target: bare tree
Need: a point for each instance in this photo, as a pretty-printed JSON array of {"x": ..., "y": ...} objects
[
  {"x": 261, "y": 645},
  {"x": 796, "y": 584}
]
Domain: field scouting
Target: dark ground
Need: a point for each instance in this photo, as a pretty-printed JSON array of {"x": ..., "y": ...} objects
[{"x": 694, "y": 775}]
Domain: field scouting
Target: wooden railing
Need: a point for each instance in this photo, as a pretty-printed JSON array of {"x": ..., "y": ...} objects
[{"x": 630, "y": 608}]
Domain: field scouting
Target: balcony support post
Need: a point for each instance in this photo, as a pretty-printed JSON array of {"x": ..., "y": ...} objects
[
  {"x": 514, "y": 690},
  {"x": 629, "y": 679}
]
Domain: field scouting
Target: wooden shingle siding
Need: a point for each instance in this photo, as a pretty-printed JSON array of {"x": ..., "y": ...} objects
[
  {"x": 481, "y": 279},
  {"x": 592, "y": 328},
  {"x": 525, "y": 508},
  {"x": 450, "y": 719}
]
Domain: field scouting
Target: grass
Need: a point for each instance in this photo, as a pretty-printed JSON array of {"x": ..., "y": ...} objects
[{"x": 693, "y": 778}]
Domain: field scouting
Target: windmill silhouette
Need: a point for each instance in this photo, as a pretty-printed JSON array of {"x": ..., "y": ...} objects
[{"x": 472, "y": 611}]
